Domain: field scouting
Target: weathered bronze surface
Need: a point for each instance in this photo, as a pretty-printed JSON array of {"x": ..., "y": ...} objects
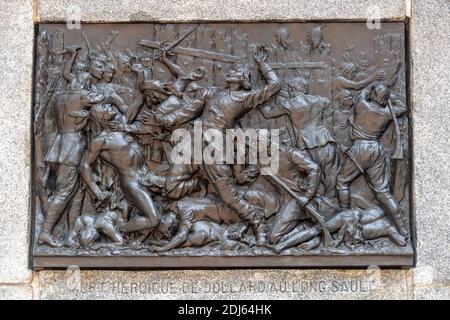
[{"x": 112, "y": 102}]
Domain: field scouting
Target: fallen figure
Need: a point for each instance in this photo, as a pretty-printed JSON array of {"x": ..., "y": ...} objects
[
  {"x": 354, "y": 226},
  {"x": 205, "y": 232},
  {"x": 206, "y": 220},
  {"x": 88, "y": 229}
]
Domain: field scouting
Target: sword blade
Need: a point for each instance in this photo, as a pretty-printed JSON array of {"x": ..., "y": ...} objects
[
  {"x": 198, "y": 53},
  {"x": 176, "y": 42}
]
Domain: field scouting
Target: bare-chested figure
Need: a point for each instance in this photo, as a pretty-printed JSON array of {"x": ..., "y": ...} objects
[
  {"x": 68, "y": 147},
  {"x": 162, "y": 99},
  {"x": 190, "y": 210},
  {"x": 204, "y": 232},
  {"x": 124, "y": 154}
]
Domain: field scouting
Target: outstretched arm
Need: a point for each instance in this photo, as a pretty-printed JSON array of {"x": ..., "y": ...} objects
[
  {"x": 136, "y": 127},
  {"x": 258, "y": 97},
  {"x": 173, "y": 67},
  {"x": 178, "y": 117},
  {"x": 134, "y": 108},
  {"x": 130, "y": 111},
  {"x": 177, "y": 240},
  {"x": 345, "y": 83},
  {"x": 67, "y": 75},
  {"x": 275, "y": 110}
]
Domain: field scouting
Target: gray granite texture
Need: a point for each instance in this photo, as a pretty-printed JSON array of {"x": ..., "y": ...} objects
[
  {"x": 16, "y": 56},
  {"x": 430, "y": 54},
  {"x": 243, "y": 10},
  {"x": 225, "y": 284}
]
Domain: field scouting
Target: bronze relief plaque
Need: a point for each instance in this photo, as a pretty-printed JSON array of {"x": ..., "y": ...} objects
[{"x": 221, "y": 145}]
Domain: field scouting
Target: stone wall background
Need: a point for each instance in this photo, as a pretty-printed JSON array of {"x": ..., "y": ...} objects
[{"x": 429, "y": 93}]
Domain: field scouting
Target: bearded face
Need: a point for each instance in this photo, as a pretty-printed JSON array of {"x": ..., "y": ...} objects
[
  {"x": 153, "y": 97},
  {"x": 298, "y": 86},
  {"x": 239, "y": 75},
  {"x": 380, "y": 94}
]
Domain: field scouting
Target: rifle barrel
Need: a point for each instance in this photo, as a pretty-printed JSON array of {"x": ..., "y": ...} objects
[{"x": 309, "y": 208}]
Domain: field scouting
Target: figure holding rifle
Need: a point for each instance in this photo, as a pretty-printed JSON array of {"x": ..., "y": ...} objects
[{"x": 371, "y": 117}]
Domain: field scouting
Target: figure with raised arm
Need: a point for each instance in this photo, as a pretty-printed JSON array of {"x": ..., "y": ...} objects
[
  {"x": 220, "y": 109},
  {"x": 367, "y": 156}
]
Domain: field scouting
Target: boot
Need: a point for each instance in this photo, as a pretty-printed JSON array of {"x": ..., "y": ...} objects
[
  {"x": 231, "y": 197},
  {"x": 344, "y": 198},
  {"x": 46, "y": 238},
  {"x": 394, "y": 212},
  {"x": 260, "y": 234},
  {"x": 54, "y": 211},
  {"x": 397, "y": 219}
]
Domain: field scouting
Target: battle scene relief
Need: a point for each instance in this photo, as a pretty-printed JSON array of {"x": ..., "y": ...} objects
[{"x": 221, "y": 140}]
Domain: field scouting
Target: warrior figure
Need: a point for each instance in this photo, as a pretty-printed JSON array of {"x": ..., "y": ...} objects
[
  {"x": 367, "y": 156},
  {"x": 65, "y": 154},
  {"x": 124, "y": 154},
  {"x": 220, "y": 110},
  {"x": 305, "y": 112}
]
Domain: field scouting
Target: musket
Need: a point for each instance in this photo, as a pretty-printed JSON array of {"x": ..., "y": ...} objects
[
  {"x": 45, "y": 102},
  {"x": 344, "y": 150},
  {"x": 398, "y": 153},
  {"x": 308, "y": 207},
  {"x": 198, "y": 53}
]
